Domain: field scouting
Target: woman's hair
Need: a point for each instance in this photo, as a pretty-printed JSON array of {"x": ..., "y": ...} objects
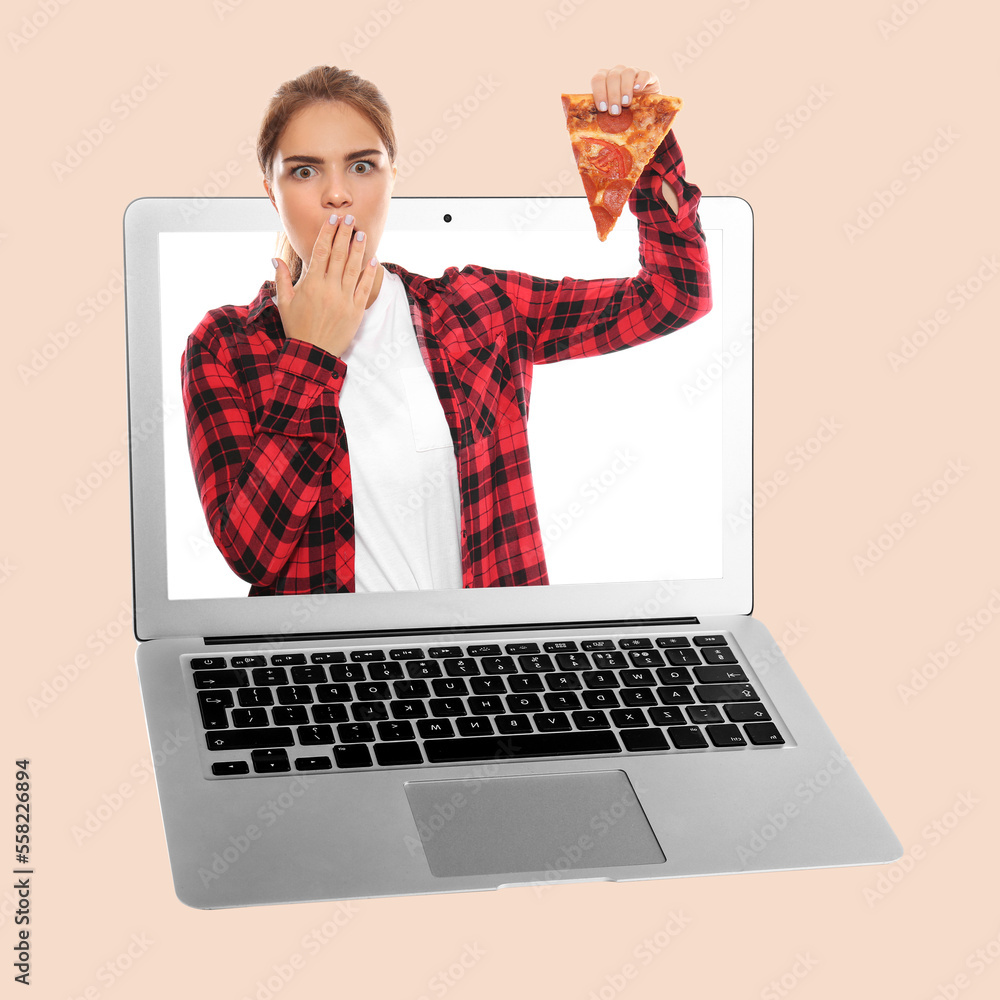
[{"x": 315, "y": 86}]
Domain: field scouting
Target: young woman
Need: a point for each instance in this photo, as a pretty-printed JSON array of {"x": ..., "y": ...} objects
[{"x": 275, "y": 390}]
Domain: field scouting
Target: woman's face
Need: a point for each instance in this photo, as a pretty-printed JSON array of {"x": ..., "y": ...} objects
[{"x": 317, "y": 171}]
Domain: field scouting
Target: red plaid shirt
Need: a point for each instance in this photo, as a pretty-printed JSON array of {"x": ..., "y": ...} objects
[{"x": 268, "y": 446}]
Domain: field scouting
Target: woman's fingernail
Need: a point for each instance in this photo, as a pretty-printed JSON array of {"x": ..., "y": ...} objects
[
  {"x": 603, "y": 105},
  {"x": 372, "y": 262},
  {"x": 614, "y": 109},
  {"x": 274, "y": 263},
  {"x": 333, "y": 220},
  {"x": 625, "y": 99}
]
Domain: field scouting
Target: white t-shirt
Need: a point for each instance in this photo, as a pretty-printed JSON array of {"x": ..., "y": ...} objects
[{"x": 404, "y": 478}]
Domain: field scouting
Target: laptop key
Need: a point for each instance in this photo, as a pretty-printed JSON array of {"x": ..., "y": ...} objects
[
  {"x": 329, "y": 713},
  {"x": 423, "y": 668},
  {"x": 385, "y": 671},
  {"x": 484, "y": 649},
  {"x": 674, "y": 675},
  {"x": 591, "y": 720},
  {"x": 718, "y": 654},
  {"x": 313, "y": 764},
  {"x": 289, "y": 715},
  {"x": 245, "y": 717},
  {"x": 562, "y": 700},
  {"x": 559, "y": 646},
  {"x": 725, "y": 692},
  {"x": 552, "y": 722},
  {"x": 447, "y": 706},
  {"x": 704, "y": 713},
  {"x": 646, "y": 658},
  {"x": 720, "y": 675},
  {"x": 409, "y": 653},
  {"x": 683, "y": 658},
  {"x": 220, "y": 679},
  {"x": 314, "y": 674},
  {"x": 440, "y": 652},
  {"x": 347, "y": 672},
  {"x": 249, "y": 739},
  {"x": 666, "y": 716},
  {"x": 600, "y": 679},
  {"x": 433, "y": 728},
  {"x": 634, "y": 697},
  {"x": 369, "y": 711},
  {"x": 231, "y": 767},
  {"x": 645, "y": 739},
  {"x": 710, "y": 640},
  {"x": 521, "y": 647},
  {"x": 499, "y": 665},
  {"x": 527, "y": 745},
  {"x": 392, "y": 754},
  {"x": 461, "y": 666},
  {"x": 355, "y": 732},
  {"x": 328, "y": 657},
  {"x": 513, "y": 724},
  {"x": 248, "y": 661},
  {"x": 726, "y": 735},
  {"x": 536, "y": 662},
  {"x": 600, "y": 699},
  {"x": 270, "y": 676},
  {"x": 762, "y": 733},
  {"x": 673, "y": 641},
  {"x": 269, "y": 761},
  {"x": 395, "y": 731},
  {"x": 315, "y": 735},
  {"x": 687, "y": 737},
  {"x": 287, "y": 659},
  {"x": 352, "y": 755},
  {"x": 213, "y": 705},
  {"x": 573, "y": 661},
  {"x": 675, "y": 695},
  {"x": 520, "y": 683},
  {"x": 209, "y": 663},
  {"x": 474, "y": 727},
  {"x": 298, "y": 694},
  {"x": 751, "y": 711},
  {"x": 626, "y": 717}
]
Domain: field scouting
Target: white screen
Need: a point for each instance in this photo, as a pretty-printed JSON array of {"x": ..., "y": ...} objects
[{"x": 626, "y": 452}]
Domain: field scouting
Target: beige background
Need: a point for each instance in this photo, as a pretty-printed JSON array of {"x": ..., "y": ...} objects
[{"x": 880, "y": 98}]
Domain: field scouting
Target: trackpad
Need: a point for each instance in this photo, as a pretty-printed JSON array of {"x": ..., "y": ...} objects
[{"x": 544, "y": 823}]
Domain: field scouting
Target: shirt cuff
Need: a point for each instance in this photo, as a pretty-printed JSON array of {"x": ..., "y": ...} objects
[
  {"x": 646, "y": 199},
  {"x": 307, "y": 385}
]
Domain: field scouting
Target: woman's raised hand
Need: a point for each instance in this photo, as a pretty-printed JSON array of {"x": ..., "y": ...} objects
[
  {"x": 326, "y": 305},
  {"x": 615, "y": 87}
]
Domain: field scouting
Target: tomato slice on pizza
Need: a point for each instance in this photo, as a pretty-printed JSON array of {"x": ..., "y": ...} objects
[{"x": 612, "y": 150}]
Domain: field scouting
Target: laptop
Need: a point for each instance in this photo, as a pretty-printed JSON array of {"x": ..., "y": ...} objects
[{"x": 628, "y": 720}]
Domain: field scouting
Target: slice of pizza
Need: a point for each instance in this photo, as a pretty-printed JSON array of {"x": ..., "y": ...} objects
[{"x": 612, "y": 150}]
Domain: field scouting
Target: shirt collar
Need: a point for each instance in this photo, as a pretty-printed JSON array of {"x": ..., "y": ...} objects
[{"x": 262, "y": 301}]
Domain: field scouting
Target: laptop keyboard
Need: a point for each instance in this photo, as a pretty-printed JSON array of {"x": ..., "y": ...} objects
[{"x": 264, "y": 713}]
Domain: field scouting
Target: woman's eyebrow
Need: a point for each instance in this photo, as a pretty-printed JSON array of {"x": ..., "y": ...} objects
[{"x": 302, "y": 158}]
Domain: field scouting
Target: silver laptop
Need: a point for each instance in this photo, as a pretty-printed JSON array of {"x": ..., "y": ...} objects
[{"x": 630, "y": 720}]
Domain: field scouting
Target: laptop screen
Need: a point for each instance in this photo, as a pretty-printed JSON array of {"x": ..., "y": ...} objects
[{"x": 640, "y": 459}]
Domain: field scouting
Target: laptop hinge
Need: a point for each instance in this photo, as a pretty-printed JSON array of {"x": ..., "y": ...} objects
[{"x": 652, "y": 623}]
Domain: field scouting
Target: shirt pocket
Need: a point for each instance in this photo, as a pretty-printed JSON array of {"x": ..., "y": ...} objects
[{"x": 427, "y": 419}]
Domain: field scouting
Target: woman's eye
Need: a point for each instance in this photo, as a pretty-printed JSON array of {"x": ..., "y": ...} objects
[{"x": 367, "y": 163}]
